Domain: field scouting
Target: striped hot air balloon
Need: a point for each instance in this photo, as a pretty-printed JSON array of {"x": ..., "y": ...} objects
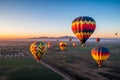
[
  {"x": 38, "y": 49},
  {"x": 62, "y": 45},
  {"x": 83, "y": 27},
  {"x": 100, "y": 54}
]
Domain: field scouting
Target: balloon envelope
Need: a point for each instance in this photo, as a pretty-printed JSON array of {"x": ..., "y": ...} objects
[
  {"x": 97, "y": 40},
  {"x": 70, "y": 39},
  {"x": 100, "y": 54},
  {"x": 38, "y": 49},
  {"x": 115, "y": 33},
  {"x": 83, "y": 27},
  {"x": 49, "y": 44},
  {"x": 74, "y": 44},
  {"x": 62, "y": 45}
]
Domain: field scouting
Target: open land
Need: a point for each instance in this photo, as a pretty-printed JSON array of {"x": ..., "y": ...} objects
[{"x": 17, "y": 63}]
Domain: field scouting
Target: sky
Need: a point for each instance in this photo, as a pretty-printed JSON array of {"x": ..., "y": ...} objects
[{"x": 53, "y": 18}]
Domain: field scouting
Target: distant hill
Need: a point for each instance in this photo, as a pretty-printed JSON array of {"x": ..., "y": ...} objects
[
  {"x": 67, "y": 37},
  {"x": 62, "y": 37}
]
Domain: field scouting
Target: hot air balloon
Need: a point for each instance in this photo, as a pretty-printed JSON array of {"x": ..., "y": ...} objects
[
  {"x": 83, "y": 27},
  {"x": 62, "y": 45},
  {"x": 70, "y": 39},
  {"x": 38, "y": 49},
  {"x": 57, "y": 41},
  {"x": 116, "y": 34},
  {"x": 74, "y": 44},
  {"x": 100, "y": 54},
  {"x": 97, "y": 40},
  {"x": 49, "y": 44}
]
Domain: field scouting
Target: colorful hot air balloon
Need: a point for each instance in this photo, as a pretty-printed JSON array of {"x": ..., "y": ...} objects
[
  {"x": 83, "y": 27},
  {"x": 97, "y": 40},
  {"x": 38, "y": 49},
  {"x": 100, "y": 54},
  {"x": 74, "y": 44},
  {"x": 49, "y": 44},
  {"x": 62, "y": 45}
]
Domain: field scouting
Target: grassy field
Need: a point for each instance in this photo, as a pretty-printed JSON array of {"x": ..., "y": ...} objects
[
  {"x": 25, "y": 69},
  {"x": 78, "y": 63},
  {"x": 75, "y": 62}
]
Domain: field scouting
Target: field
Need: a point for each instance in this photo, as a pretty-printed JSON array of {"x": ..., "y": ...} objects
[{"x": 16, "y": 62}]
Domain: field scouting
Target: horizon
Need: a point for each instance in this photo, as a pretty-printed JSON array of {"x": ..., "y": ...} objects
[
  {"x": 45, "y": 37},
  {"x": 21, "y": 19}
]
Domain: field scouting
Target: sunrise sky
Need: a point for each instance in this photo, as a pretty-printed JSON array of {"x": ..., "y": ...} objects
[{"x": 53, "y": 18}]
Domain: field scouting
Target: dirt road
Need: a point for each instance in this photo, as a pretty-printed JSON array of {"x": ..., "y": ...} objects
[{"x": 48, "y": 66}]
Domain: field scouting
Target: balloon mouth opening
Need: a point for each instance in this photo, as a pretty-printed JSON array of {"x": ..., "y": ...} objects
[
  {"x": 82, "y": 42},
  {"x": 82, "y": 45},
  {"x": 63, "y": 50},
  {"x": 38, "y": 61},
  {"x": 99, "y": 66}
]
